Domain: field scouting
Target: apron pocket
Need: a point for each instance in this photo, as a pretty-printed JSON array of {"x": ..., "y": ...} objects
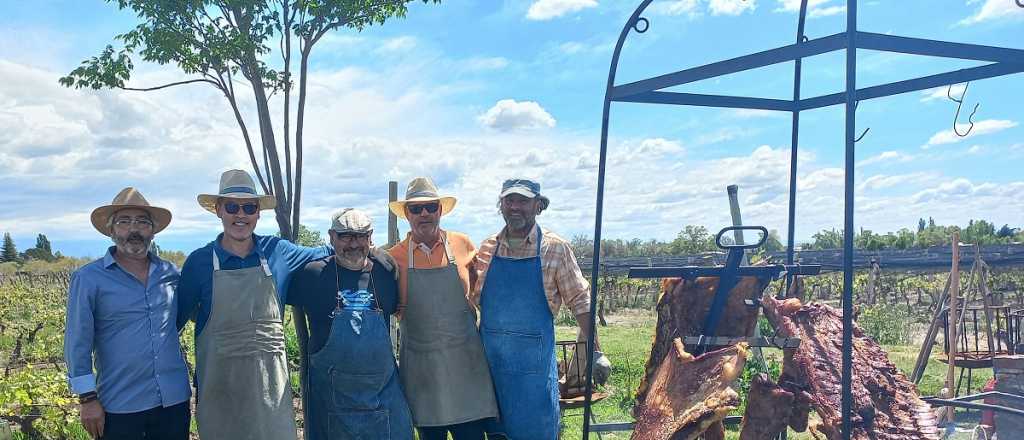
[
  {"x": 357, "y": 391},
  {"x": 514, "y": 352},
  {"x": 359, "y": 425}
]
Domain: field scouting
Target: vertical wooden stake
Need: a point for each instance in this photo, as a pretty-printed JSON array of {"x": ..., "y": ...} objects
[{"x": 954, "y": 324}]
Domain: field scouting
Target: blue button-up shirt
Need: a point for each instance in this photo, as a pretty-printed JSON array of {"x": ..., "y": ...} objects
[
  {"x": 130, "y": 328},
  {"x": 195, "y": 291}
]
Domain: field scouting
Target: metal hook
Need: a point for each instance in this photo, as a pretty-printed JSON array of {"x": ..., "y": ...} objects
[
  {"x": 866, "y": 130},
  {"x": 1020, "y": 3},
  {"x": 636, "y": 25},
  {"x": 960, "y": 103}
]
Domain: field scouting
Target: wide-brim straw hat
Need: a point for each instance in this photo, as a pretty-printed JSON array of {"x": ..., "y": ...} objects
[
  {"x": 420, "y": 190},
  {"x": 236, "y": 184},
  {"x": 129, "y": 198}
]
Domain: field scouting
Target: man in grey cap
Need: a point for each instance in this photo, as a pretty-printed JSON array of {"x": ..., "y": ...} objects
[{"x": 353, "y": 389}]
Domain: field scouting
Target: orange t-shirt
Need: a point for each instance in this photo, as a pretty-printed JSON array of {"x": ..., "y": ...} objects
[{"x": 463, "y": 252}]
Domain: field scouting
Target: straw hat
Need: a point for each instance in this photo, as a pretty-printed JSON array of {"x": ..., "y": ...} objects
[
  {"x": 422, "y": 189},
  {"x": 236, "y": 184},
  {"x": 129, "y": 198}
]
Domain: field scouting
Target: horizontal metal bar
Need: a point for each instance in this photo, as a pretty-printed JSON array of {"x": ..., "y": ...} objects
[
  {"x": 753, "y": 341},
  {"x": 691, "y": 272},
  {"x": 709, "y": 100},
  {"x": 972, "y": 405},
  {"x": 760, "y": 59},
  {"x": 985, "y": 395},
  {"x": 946, "y": 49},
  {"x": 611, "y": 427},
  {"x": 923, "y": 83}
]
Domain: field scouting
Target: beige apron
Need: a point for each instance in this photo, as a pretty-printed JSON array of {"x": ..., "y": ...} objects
[
  {"x": 442, "y": 365},
  {"x": 244, "y": 388}
]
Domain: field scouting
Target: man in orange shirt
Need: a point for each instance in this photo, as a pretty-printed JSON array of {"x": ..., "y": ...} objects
[{"x": 441, "y": 358}]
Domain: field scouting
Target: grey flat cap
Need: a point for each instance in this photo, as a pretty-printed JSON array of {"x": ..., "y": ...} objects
[{"x": 351, "y": 221}]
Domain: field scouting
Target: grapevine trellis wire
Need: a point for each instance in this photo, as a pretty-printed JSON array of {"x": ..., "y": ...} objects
[{"x": 1001, "y": 61}]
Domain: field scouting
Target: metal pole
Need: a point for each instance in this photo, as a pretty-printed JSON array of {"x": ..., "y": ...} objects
[
  {"x": 633, "y": 23},
  {"x": 794, "y": 148},
  {"x": 848, "y": 231}
]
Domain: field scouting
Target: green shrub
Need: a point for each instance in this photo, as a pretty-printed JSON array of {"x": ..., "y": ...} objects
[{"x": 886, "y": 324}]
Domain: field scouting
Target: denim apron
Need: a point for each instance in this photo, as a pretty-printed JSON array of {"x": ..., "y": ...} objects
[
  {"x": 354, "y": 392},
  {"x": 443, "y": 368},
  {"x": 244, "y": 388},
  {"x": 519, "y": 339}
]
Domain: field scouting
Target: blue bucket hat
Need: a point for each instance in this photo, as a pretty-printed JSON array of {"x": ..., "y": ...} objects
[{"x": 526, "y": 188}]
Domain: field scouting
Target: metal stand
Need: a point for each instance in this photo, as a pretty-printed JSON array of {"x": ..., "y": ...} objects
[{"x": 1002, "y": 61}]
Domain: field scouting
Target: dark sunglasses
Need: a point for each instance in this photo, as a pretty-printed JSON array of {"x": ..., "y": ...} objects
[
  {"x": 417, "y": 209},
  {"x": 248, "y": 208}
]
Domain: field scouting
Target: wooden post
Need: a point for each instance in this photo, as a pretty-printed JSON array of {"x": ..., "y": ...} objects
[
  {"x": 929, "y": 339},
  {"x": 392, "y": 218},
  {"x": 954, "y": 293},
  {"x": 986, "y": 298}
]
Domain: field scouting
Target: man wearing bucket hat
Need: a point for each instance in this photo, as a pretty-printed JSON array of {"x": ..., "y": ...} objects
[
  {"x": 524, "y": 275},
  {"x": 353, "y": 389},
  {"x": 443, "y": 369},
  {"x": 120, "y": 344},
  {"x": 234, "y": 289}
]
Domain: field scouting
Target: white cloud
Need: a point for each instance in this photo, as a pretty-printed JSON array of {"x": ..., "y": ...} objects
[
  {"x": 746, "y": 113},
  {"x": 815, "y": 8},
  {"x": 987, "y": 126},
  {"x": 509, "y": 114},
  {"x": 675, "y": 7},
  {"x": 398, "y": 44},
  {"x": 942, "y": 93},
  {"x": 486, "y": 63},
  {"x": 994, "y": 10},
  {"x": 886, "y": 157},
  {"x": 881, "y": 181},
  {"x": 731, "y": 7},
  {"x": 549, "y": 9}
]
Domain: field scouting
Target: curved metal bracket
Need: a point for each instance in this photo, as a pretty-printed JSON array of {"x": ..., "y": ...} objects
[
  {"x": 866, "y": 130},
  {"x": 1020, "y": 3},
  {"x": 960, "y": 103}
]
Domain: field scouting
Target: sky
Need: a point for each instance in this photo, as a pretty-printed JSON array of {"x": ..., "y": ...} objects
[{"x": 471, "y": 93}]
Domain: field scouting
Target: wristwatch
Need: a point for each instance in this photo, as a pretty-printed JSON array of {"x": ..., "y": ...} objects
[{"x": 87, "y": 397}]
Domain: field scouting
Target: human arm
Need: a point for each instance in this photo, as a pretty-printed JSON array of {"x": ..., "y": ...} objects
[{"x": 78, "y": 349}]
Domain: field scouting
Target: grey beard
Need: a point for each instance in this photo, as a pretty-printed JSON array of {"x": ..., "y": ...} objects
[{"x": 123, "y": 245}]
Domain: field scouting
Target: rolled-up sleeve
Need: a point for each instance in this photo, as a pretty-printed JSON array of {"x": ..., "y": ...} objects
[
  {"x": 572, "y": 285},
  {"x": 78, "y": 335}
]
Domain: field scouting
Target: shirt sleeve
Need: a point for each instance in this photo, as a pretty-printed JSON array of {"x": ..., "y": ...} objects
[
  {"x": 572, "y": 285},
  {"x": 78, "y": 335},
  {"x": 188, "y": 292},
  {"x": 297, "y": 288},
  {"x": 298, "y": 256}
]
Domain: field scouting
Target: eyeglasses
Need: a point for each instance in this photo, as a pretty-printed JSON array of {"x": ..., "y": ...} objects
[
  {"x": 248, "y": 208},
  {"x": 417, "y": 209},
  {"x": 349, "y": 238},
  {"x": 141, "y": 222}
]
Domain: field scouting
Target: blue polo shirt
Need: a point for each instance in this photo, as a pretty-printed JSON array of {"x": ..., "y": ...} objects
[{"x": 195, "y": 289}]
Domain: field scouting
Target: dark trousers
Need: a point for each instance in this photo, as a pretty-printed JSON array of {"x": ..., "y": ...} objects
[
  {"x": 170, "y": 423},
  {"x": 463, "y": 431}
]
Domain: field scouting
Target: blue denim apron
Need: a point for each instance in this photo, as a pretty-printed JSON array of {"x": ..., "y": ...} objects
[
  {"x": 354, "y": 392},
  {"x": 519, "y": 338}
]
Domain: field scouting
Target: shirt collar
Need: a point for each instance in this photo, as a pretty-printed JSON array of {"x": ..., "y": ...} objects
[
  {"x": 530, "y": 236},
  {"x": 225, "y": 255},
  {"x": 415, "y": 244},
  {"x": 109, "y": 261}
]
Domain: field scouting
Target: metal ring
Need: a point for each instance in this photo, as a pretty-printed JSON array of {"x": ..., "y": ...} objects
[
  {"x": 647, "y": 24},
  {"x": 1020, "y": 3}
]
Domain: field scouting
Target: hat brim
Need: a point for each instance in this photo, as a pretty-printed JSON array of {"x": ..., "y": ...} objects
[
  {"x": 528, "y": 194},
  {"x": 161, "y": 217},
  {"x": 398, "y": 207},
  {"x": 209, "y": 201}
]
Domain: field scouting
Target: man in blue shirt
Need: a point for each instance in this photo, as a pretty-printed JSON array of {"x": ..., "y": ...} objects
[
  {"x": 234, "y": 289},
  {"x": 121, "y": 309}
]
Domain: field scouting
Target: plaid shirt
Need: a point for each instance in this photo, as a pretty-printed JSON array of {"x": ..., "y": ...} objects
[{"x": 563, "y": 280}]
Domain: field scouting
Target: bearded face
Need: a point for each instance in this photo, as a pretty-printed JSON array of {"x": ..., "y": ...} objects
[{"x": 131, "y": 231}]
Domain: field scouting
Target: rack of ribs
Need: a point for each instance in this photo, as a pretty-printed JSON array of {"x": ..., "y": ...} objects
[
  {"x": 886, "y": 405},
  {"x": 769, "y": 407},
  {"x": 682, "y": 308},
  {"x": 688, "y": 394}
]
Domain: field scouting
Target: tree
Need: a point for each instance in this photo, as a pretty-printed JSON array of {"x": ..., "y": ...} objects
[
  {"x": 921, "y": 224},
  {"x": 9, "y": 254},
  {"x": 221, "y": 42},
  {"x": 692, "y": 240},
  {"x": 1006, "y": 232},
  {"x": 309, "y": 237},
  {"x": 827, "y": 239},
  {"x": 42, "y": 251}
]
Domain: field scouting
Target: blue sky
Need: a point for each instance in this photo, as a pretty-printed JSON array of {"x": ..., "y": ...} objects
[{"x": 474, "y": 92}]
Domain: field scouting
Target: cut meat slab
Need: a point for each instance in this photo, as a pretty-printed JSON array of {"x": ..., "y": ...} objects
[
  {"x": 690, "y": 394},
  {"x": 768, "y": 410},
  {"x": 886, "y": 406},
  {"x": 682, "y": 308}
]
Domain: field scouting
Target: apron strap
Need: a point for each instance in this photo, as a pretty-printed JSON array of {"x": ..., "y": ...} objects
[
  {"x": 540, "y": 238},
  {"x": 447, "y": 251},
  {"x": 266, "y": 267},
  {"x": 216, "y": 260}
]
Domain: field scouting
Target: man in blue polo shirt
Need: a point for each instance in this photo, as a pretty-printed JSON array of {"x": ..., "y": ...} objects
[{"x": 234, "y": 289}]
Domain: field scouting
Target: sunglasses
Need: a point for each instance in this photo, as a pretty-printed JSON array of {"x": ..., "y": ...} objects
[
  {"x": 417, "y": 209},
  {"x": 248, "y": 208}
]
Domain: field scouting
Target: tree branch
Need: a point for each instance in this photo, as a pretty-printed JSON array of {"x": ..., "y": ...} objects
[
  {"x": 179, "y": 83},
  {"x": 368, "y": 12}
]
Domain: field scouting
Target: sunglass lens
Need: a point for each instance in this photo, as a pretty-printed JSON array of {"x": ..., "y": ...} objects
[
  {"x": 250, "y": 208},
  {"x": 417, "y": 209},
  {"x": 231, "y": 207}
]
